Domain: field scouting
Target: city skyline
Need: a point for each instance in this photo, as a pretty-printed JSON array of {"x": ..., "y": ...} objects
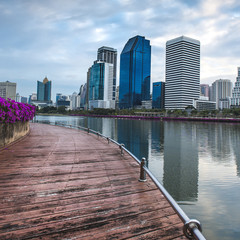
[{"x": 59, "y": 40}]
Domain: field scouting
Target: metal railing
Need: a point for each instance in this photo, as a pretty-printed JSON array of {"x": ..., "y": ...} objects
[{"x": 192, "y": 228}]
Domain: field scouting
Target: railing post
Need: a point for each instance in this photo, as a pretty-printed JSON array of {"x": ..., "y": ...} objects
[
  {"x": 121, "y": 147},
  {"x": 88, "y": 130},
  {"x": 108, "y": 139},
  {"x": 189, "y": 226},
  {"x": 142, "y": 171}
]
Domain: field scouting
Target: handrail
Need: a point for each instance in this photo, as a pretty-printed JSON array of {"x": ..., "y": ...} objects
[{"x": 192, "y": 228}]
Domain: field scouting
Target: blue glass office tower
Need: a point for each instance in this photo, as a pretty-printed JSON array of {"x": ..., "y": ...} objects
[
  {"x": 40, "y": 91},
  {"x": 44, "y": 90},
  {"x": 47, "y": 91},
  {"x": 135, "y": 69},
  {"x": 158, "y": 95},
  {"x": 96, "y": 84}
]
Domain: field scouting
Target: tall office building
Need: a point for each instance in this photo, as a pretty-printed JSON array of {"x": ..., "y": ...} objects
[
  {"x": 204, "y": 90},
  {"x": 158, "y": 95},
  {"x": 235, "y": 100},
  {"x": 8, "y": 90},
  {"x": 221, "y": 93},
  {"x": 87, "y": 92},
  {"x": 44, "y": 90},
  {"x": 83, "y": 95},
  {"x": 135, "y": 70},
  {"x": 24, "y": 100},
  {"x": 182, "y": 72},
  {"x": 101, "y": 90},
  {"x": 181, "y": 161},
  {"x": 74, "y": 101},
  {"x": 109, "y": 55},
  {"x": 18, "y": 97},
  {"x": 58, "y": 96}
]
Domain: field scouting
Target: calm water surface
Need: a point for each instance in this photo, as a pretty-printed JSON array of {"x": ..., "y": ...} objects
[{"x": 198, "y": 163}]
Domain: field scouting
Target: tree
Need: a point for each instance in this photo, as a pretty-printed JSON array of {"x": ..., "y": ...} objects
[{"x": 62, "y": 109}]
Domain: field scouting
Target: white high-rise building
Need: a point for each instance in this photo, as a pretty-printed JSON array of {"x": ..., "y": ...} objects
[
  {"x": 221, "y": 93},
  {"x": 18, "y": 97},
  {"x": 74, "y": 101},
  {"x": 8, "y": 90},
  {"x": 109, "y": 55},
  {"x": 182, "y": 72},
  {"x": 235, "y": 100}
]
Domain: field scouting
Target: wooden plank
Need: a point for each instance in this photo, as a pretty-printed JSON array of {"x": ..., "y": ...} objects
[
  {"x": 61, "y": 183},
  {"x": 84, "y": 216}
]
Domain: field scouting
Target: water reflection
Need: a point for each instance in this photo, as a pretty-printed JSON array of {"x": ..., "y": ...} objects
[
  {"x": 135, "y": 136},
  {"x": 235, "y": 138},
  {"x": 157, "y": 136},
  {"x": 218, "y": 136},
  {"x": 181, "y": 161}
]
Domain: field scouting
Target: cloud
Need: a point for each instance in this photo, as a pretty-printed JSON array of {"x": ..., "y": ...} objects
[{"x": 60, "y": 38}]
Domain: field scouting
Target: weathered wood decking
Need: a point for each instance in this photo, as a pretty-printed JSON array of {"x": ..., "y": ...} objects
[{"x": 60, "y": 183}]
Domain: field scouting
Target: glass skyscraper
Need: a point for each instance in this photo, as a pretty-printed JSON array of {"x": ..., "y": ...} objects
[
  {"x": 101, "y": 89},
  {"x": 158, "y": 95},
  {"x": 109, "y": 55},
  {"x": 182, "y": 72},
  {"x": 96, "y": 85},
  {"x": 135, "y": 70},
  {"x": 44, "y": 90}
]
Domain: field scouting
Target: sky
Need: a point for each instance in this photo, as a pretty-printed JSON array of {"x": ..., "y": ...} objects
[{"x": 59, "y": 38}]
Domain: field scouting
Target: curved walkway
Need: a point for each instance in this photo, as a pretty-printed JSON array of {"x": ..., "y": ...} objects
[{"x": 61, "y": 183}]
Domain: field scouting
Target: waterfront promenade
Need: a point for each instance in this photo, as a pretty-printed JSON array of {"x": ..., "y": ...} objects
[{"x": 61, "y": 183}]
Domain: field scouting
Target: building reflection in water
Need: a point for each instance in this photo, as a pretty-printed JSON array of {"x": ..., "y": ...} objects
[
  {"x": 109, "y": 127},
  {"x": 156, "y": 149},
  {"x": 134, "y": 134},
  {"x": 180, "y": 175},
  {"x": 220, "y": 141},
  {"x": 157, "y": 136},
  {"x": 235, "y": 137},
  {"x": 218, "y": 144}
]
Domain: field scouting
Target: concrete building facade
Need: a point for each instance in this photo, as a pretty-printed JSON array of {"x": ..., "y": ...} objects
[
  {"x": 109, "y": 55},
  {"x": 8, "y": 90},
  {"x": 221, "y": 92},
  {"x": 182, "y": 72}
]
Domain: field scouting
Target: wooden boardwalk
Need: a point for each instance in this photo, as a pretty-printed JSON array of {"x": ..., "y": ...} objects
[{"x": 60, "y": 183}]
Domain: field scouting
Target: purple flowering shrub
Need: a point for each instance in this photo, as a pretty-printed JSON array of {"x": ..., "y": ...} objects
[{"x": 11, "y": 111}]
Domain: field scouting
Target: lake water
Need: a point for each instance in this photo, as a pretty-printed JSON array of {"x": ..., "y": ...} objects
[{"x": 197, "y": 162}]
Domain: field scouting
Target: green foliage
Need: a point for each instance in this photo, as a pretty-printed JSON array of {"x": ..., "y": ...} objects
[
  {"x": 61, "y": 110},
  {"x": 194, "y": 113},
  {"x": 48, "y": 109},
  {"x": 102, "y": 111},
  {"x": 236, "y": 112},
  {"x": 189, "y": 111}
]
